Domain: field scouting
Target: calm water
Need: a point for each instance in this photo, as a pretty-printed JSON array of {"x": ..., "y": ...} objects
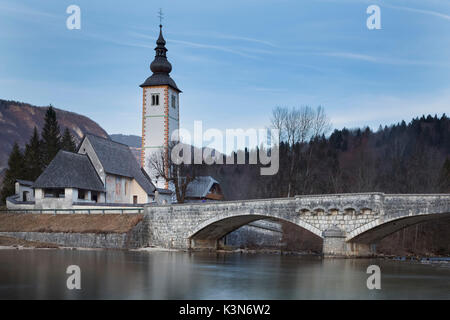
[{"x": 40, "y": 274}]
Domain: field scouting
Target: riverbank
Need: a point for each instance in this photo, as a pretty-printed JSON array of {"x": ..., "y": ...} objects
[
  {"x": 14, "y": 243},
  {"x": 68, "y": 223},
  {"x": 112, "y": 231},
  {"x": 10, "y": 243}
]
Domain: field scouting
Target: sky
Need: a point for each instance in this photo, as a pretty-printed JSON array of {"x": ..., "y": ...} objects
[{"x": 234, "y": 60}]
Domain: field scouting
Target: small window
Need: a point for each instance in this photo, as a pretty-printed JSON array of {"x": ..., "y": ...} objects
[
  {"x": 174, "y": 101},
  {"x": 155, "y": 99},
  {"x": 54, "y": 193},
  {"x": 81, "y": 194}
]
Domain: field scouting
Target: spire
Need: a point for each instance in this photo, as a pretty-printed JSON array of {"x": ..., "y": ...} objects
[
  {"x": 160, "y": 64},
  {"x": 160, "y": 41}
]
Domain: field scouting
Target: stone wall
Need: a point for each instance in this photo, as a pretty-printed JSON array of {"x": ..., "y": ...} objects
[
  {"x": 261, "y": 234},
  {"x": 135, "y": 238}
]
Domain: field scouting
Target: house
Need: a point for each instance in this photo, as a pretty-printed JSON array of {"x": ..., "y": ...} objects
[
  {"x": 202, "y": 189},
  {"x": 102, "y": 172}
]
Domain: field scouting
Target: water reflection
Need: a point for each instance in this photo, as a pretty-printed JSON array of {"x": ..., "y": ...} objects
[{"x": 41, "y": 274}]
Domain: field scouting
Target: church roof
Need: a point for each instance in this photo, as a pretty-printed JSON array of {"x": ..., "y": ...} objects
[
  {"x": 160, "y": 79},
  {"x": 70, "y": 170},
  {"x": 117, "y": 159},
  {"x": 160, "y": 66}
]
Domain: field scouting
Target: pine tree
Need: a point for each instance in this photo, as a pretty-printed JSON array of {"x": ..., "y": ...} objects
[
  {"x": 33, "y": 157},
  {"x": 51, "y": 137},
  {"x": 67, "y": 142},
  {"x": 444, "y": 179},
  {"x": 15, "y": 171}
]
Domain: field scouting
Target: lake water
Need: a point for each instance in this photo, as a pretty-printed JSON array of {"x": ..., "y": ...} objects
[{"x": 41, "y": 274}]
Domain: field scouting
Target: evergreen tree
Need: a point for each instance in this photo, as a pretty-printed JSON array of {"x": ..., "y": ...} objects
[
  {"x": 33, "y": 157},
  {"x": 67, "y": 142},
  {"x": 444, "y": 179},
  {"x": 15, "y": 171},
  {"x": 51, "y": 137}
]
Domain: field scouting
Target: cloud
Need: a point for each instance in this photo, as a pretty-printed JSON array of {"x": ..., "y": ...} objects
[
  {"x": 213, "y": 47},
  {"x": 373, "y": 110},
  {"x": 216, "y": 35},
  {"x": 382, "y": 60},
  {"x": 228, "y": 49},
  {"x": 20, "y": 10},
  {"x": 421, "y": 11}
]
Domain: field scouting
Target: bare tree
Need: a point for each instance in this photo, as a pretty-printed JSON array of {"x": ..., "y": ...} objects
[
  {"x": 278, "y": 120},
  {"x": 175, "y": 173},
  {"x": 297, "y": 127}
]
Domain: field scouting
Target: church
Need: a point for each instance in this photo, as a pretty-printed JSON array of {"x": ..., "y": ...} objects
[{"x": 105, "y": 173}]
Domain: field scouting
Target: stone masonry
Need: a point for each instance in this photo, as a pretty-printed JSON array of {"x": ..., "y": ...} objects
[
  {"x": 350, "y": 224},
  {"x": 135, "y": 238}
]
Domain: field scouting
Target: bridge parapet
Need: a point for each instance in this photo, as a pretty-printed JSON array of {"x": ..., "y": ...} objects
[{"x": 334, "y": 204}]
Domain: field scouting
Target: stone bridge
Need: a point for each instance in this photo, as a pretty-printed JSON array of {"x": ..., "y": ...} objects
[{"x": 349, "y": 224}]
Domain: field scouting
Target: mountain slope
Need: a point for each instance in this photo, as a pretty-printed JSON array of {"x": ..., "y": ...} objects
[
  {"x": 17, "y": 121},
  {"x": 129, "y": 140}
]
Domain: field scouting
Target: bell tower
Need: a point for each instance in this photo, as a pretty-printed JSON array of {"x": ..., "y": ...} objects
[{"x": 160, "y": 110}]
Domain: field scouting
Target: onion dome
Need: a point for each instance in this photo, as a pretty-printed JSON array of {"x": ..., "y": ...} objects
[{"x": 160, "y": 66}]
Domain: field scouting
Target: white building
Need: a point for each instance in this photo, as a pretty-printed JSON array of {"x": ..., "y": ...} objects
[{"x": 103, "y": 173}]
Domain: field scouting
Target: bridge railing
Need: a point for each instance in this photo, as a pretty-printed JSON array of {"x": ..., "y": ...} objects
[{"x": 76, "y": 211}]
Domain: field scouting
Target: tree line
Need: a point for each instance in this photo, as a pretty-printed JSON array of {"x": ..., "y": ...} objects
[
  {"x": 409, "y": 157},
  {"x": 405, "y": 157},
  {"x": 28, "y": 164}
]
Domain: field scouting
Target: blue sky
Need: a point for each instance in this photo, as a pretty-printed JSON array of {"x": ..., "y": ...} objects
[{"x": 234, "y": 60}]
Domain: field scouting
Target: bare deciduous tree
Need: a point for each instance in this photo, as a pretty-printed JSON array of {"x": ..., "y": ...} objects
[
  {"x": 176, "y": 174},
  {"x": 297, "y": 127}
]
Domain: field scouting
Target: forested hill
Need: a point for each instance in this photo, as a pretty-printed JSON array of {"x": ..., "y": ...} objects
[
  {"x": 402, "y": 158},
  {"x": 17, "y": 121},
  {"x": 130, "y": 140}
]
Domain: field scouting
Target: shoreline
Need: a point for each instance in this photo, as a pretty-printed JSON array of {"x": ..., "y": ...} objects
[
  {"x": 428, "y": 260},
  {"x": 9, "y": 243}
]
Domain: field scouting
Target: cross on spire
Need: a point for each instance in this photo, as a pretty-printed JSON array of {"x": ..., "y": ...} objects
[{"x": 160, "y": 16}]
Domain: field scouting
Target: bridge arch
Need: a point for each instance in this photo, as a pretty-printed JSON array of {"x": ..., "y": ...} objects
[
  {"x": 213, "y": 229},
  {"x": 378, "y": 229}
]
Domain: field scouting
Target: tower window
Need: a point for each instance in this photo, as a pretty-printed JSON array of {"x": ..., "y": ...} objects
[
  {"x": 155, "y": 99},
  {"x": 174, "y": 101}
]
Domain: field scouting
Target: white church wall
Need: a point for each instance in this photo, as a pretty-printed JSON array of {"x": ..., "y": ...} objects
[
  {"x": 86, "y": 148},
  {"x": 118, "y": 189}
]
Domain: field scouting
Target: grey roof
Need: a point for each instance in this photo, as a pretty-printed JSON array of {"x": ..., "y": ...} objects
[
  {"x": 165, "y": 191},
  {"x": 159, "y": 79},
  {"x": 14, "y": 199},
  {"x": 70, "y": 170},
  {"x": 117, "y": 158},
  {"x": 200, "y": 187},
  {"x": 25, "y": 182}
]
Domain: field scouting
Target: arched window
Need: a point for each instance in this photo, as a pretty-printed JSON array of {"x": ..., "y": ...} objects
[
  {"x": 174, "y": 101},
  {"x": 155, "y": 99}
]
